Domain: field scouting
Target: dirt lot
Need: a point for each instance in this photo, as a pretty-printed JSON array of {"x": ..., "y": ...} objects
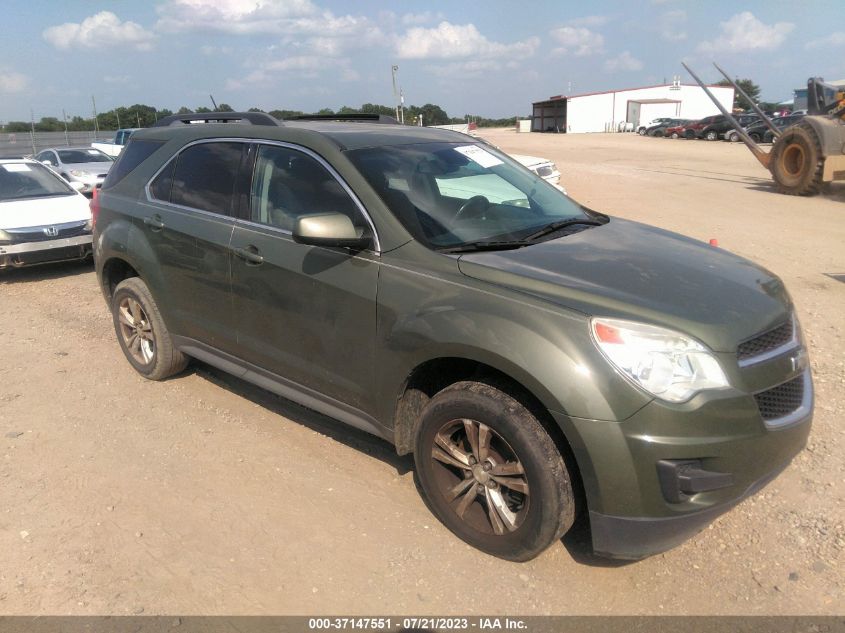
[{"x": 206, "y": 495}]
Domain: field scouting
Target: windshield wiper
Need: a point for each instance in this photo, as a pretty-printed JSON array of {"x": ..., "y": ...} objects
[
  {"x": 556, "y": 226},
  {"x": 485, "y": 245}
]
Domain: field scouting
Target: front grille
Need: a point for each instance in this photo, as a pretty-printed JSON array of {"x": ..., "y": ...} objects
[
  {"x": 782, "y": 400},
  {"x": 37, "y": 234},
  {"x": 766, "y": 341}
]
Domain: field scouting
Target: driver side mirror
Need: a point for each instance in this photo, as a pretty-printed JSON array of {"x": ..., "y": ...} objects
[
  {"x": 329, "y": 229},
  {"x": 47, "y": 162}
]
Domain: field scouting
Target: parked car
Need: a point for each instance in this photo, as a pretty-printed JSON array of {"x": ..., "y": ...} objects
[
  {"x": 543, "y": 167},
  {"x": 641, "y": 129},
  {"x": 677, "y": 131},
  {"x": 719, "y": 126},
  {"x": 43, "y": 218},
  {"x": 760, "y": 132},
  {"x": 781, "y": 124},
  {"x": 745, "y": 120},
  {"x": 84, "y": 165},
  {"x": 659, "y": 129},
  {"x": 121, "y": 137},
  {"x": 527, "y": 352}
]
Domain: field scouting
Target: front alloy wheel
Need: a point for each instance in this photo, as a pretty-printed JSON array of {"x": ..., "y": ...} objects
[
  {"x": 491, "y": 473},
  {"x": 481, "y": 477}
]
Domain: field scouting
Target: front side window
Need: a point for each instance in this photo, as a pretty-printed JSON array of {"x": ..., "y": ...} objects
[
  {"x": 288, "y": 183},
  {"x": 205, "y": 176},
  {"x": 452, "y": 194}
]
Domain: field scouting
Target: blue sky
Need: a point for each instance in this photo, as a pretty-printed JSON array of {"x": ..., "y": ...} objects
[{"x": 490, "y": 58}]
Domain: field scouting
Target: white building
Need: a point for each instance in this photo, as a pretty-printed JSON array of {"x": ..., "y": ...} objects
[{"x": 605, "y": 111}]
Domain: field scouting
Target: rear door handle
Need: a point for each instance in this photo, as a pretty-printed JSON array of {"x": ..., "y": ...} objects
[
  {"x": 251, "y": 255},
  {"x": 154, "y": 223}
]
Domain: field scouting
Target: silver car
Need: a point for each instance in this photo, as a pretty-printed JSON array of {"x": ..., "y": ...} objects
[{"x": 84, "y": 165}]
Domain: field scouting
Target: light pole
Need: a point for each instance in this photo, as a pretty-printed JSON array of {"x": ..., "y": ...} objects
[{"x": 393, "y": 70}]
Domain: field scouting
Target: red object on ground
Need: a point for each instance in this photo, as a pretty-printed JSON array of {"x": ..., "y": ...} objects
[{"x": 714, "y": 241}]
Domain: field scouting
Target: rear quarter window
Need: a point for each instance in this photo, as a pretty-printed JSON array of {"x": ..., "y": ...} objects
[{"x": 135, "y": 153}]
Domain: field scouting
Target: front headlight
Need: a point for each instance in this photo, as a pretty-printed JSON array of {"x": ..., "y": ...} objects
[{"x": 667, "y": 364}]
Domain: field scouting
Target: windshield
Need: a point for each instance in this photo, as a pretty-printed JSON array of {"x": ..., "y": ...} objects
[
  {"x": 83, "y": 156},
  {"x": 19, "y": 181},
  {"x": 451, "y": 194}
]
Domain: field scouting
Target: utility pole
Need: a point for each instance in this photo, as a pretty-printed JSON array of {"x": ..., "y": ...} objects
[
  {"x": 67, "y": 139},
  {"x": 393, "y": 70},
  {"x": 96, "y": 123},
  {"x": 138, "y": 115},
  {"x": 32, "y": 133}
]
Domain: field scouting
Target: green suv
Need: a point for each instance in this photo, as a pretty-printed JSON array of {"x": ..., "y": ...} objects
[{"x": 539, "y": 359}]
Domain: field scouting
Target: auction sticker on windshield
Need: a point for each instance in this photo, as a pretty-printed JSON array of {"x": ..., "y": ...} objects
[{"x": 479, "y": 155}]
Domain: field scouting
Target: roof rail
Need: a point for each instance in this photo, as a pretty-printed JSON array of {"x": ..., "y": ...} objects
[
  {"x": 356, "y": 117},
  {"x": 249, "y": 118}
]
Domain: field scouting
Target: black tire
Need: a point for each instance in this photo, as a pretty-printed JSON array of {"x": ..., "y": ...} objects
[
  {"x": 155, "y": 357},
  {"x": 796, "y": 163},
  {"x": 641, "y": 131},
  {"x": 733, "y": 137},
  {"x": 712, "y": 135},
  {"x": 534, "y": 516},
  {"x": 756, "y": 137}
]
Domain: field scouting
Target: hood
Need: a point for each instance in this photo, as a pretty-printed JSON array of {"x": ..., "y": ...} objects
[
  {"x": 629, "y": 270},
  {"x": 17, "y": 214}
]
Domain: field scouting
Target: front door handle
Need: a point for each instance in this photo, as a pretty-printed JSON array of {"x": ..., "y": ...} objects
[
  {"x": 251, "y": 255},
  {"x": 154, "y": 223}
]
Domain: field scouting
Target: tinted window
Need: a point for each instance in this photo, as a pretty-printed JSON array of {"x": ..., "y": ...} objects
[
  {"x": 288, "y": 183},
  {"x": 132, "y": 155},
  {"x": 163, "y": 183},
  {"x": 205, "y": 176},
  {"x": 84, "y": 156}
]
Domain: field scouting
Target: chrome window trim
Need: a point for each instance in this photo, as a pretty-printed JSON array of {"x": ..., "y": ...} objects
[{"x": 249, "y": 141}]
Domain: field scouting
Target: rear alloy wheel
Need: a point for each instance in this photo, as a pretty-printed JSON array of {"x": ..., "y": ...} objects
[
  {"x": 796, "y": 163},
  {"x": 675, "y": 135},
  {"x": 141, "y": 332},
  {"x": 491, "y": 473},
  {"x": 641, "y": 131},
  {"x": 712, "y": 135}
]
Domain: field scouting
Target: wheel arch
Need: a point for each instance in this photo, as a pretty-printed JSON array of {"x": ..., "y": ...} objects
[{"x": 433, "y": 375}]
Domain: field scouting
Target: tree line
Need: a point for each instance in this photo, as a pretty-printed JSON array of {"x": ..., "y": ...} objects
[{"x": 140, "y": 115}]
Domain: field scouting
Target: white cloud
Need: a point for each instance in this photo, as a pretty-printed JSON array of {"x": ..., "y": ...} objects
[
  {"x": 743, "y": 32},
  {"x": 233, "y": 16},
  {"x": 671, "y": 25},
  {"x": 101, "y": 30},
  {"x": 625, "y": 61},
  {"x": 834, "y": 39},
  {"x": 11, "y": 82},
  {"x": 448, "y": 41},
  {"x": 578, "y": 41}
]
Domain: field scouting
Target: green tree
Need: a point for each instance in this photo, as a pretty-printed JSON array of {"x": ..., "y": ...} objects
[
  {"x": 184, "y": 110},
  {"x": 750, "y": 88},
  {"x": 225, "y": 107}
]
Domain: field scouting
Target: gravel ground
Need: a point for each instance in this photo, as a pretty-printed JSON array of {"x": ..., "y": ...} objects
[{"x": 203, "y": 494}]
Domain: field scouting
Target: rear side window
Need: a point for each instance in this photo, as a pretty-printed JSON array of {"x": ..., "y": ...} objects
[
  {"x": 132, "y": 155},
  {"x": 163, "y": 183},
  {"x": 205, "y": 176}
]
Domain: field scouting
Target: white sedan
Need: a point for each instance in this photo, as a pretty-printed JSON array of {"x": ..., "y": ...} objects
[{"x": 43, "y": 218}]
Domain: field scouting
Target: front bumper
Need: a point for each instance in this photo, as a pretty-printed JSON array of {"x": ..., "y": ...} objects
[
  {"x": 637, "y": 507},
  {"x": 29, "y": 253}
]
